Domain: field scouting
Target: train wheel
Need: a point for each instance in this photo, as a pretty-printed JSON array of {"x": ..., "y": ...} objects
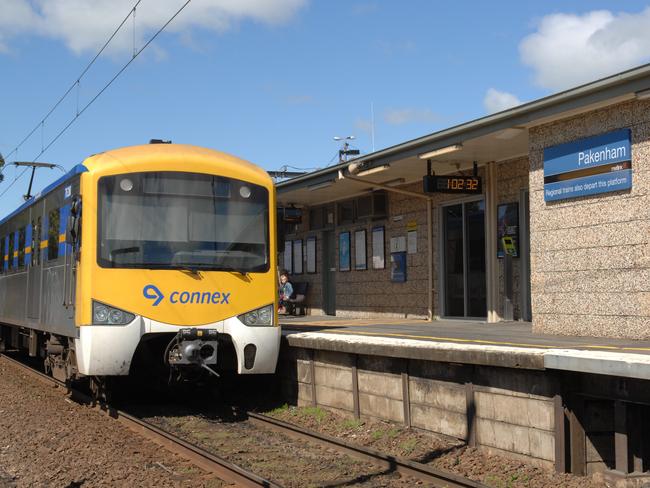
[{"x": 100, "y": 389}]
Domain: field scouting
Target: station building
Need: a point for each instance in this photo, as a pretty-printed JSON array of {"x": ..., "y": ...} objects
[{"x": 538, "y": 213}]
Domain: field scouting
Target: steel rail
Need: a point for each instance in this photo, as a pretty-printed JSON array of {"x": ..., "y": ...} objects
[
  {"x": 205, "y": 460},
  {"x": 423, "y": 472}
]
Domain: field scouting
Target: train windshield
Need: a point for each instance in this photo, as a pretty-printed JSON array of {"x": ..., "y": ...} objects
[{"x": 170, "y": 220}]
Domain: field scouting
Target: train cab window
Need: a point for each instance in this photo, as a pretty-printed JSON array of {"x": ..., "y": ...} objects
[
  {"x": 53, "y": 235},
  {"x": 12, "y": 240},
  {"x": 21, "y": 248},
  {"x": 172, "y": 220}
]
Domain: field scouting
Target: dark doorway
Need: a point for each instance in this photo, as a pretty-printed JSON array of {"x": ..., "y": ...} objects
[{"x": 464, "y": 259}]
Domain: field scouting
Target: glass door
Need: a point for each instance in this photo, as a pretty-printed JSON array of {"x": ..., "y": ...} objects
[{"x": 464, "y": 259}]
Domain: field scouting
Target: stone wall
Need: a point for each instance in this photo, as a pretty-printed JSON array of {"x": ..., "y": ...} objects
[
  {"x": 590, "y": 256},
  {"x": 502, "y": 410}
]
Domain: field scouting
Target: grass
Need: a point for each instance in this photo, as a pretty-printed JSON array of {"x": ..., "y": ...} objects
[
  {"x": 352, "y": 424},
  {"x": 408, "y": 446},
  {"x": 279, "y": 410},
  {"x": 315, "y": 412},
  {"x": 510, "y": 482}
]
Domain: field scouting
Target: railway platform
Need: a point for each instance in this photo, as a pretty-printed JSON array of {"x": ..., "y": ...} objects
[
  {"x": 575, "y": 404},
  {"x": 510, "y": 344}
]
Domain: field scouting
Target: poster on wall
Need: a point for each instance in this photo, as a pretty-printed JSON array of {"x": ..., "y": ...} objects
[
  {"x": 398, "y": 267},
  {"x": 344, "y": 251},
  {"x": 311, "y": 254},
  {"x": 360, "y": 255},
  {"x": 412, "y": 241},
  {"x": 288, "y": 257},
  {"x": 508, "y": 226},
  {"x": 598, "y": 164},
  {"x": 378, "y": 244},
  {"x": 297, "y": 256}
]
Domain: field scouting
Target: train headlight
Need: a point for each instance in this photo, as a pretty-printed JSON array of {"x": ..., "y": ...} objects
[
  {"x": 259, "y": 317},
  {"x": 100, "y": 314},
  {"x": 106, "y": 315}
]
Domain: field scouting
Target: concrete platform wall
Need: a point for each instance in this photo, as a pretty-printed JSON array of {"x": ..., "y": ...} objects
[{"x": 503, "y": 410}]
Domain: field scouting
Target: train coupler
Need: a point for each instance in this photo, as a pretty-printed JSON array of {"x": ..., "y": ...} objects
[{"x": 193, "y": 347}]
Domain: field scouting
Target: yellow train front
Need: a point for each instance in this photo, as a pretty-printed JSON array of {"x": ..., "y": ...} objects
[{"x": 146, "y": 255}]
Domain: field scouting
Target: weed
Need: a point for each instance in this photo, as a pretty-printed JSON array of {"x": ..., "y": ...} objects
[
  {"x": 279, "y": 410},
  {"x": 377, "y": 434},
  {"x": 352, "y": 424},
  {"x": 409, "y": 446},
  {"x": 392, "y": 433},
  {"x": 316, "y": 412}
]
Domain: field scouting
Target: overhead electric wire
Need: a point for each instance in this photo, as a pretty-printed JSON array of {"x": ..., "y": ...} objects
[
  {"x": 80, "y": 112},
  {"x": 76, "y": 82}
]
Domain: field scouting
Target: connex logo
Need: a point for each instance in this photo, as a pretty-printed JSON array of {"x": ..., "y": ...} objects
[{"x": 152, "y": 292}]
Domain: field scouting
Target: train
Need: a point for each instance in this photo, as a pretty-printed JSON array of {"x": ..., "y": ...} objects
[{"x": 157, "y": 256}]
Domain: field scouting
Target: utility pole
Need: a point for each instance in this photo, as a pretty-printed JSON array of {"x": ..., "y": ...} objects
[{"x": 345, "y": 150}]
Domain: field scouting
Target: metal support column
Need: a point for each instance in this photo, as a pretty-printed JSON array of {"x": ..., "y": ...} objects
[{"x": 491, "y": 261}]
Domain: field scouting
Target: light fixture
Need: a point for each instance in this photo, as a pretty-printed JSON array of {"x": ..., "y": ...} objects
[
  {"x": 643, "y": 94},
  {"x": 441, "y": 151},
  {"x": 372, "y": 171},
  {"x": 321, "y": 185}
]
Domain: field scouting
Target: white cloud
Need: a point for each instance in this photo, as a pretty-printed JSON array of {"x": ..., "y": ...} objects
[
  {"x": 569, "y": 50},
  {"x": 364, "y": 125},
  {"x": 403, "y": 116},
  {"x": 85, "y": 25},
  {"x": 496, "y": 101}
]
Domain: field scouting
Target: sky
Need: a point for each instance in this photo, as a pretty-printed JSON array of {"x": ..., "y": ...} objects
[{"x": 274, "y": 81}]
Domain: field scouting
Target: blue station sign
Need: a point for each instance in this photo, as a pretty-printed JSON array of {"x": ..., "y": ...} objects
[{"x": 598, "y": 164}]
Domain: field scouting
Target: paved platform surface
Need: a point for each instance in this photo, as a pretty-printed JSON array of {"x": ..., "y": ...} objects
[
  {"x": 509, "y": 344},
  {"x": 517, "y": 334}
]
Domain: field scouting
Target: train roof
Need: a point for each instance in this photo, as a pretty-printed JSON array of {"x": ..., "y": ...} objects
[
  {"x": 145, "y": 154},
  {"x": 131, "y": 156}
]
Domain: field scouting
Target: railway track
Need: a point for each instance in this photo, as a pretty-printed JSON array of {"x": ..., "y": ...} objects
[
  {"x": 201, "y": 458},
  {"x": 422, "y": 472},
  {"x": 232, "y": 473}
]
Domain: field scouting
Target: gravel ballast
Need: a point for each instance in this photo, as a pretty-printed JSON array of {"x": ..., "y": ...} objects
[{"x": 48, "y": 440}]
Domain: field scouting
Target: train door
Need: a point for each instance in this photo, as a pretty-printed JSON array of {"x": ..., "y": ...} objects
[{"x": 35, "y": 262}]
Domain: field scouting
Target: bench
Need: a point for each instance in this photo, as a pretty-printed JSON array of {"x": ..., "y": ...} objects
[{"x": 298, "y": 298}]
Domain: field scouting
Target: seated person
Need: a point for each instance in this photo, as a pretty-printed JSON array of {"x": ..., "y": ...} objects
[{"x": 286, "y": 290}]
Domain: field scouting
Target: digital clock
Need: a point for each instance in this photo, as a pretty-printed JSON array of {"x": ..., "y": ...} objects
[{"x": 452, "y": 184}]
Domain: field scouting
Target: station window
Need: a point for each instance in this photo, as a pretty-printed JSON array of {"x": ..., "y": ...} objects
[
  {"x": 21, "y": 248},
  {"x": 53, "y": 235},
  {"x": 12, "y": 241},
  {"x": 346, "y": 212}
]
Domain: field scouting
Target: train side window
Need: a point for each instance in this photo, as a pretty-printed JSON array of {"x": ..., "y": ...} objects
[
  {"x": 3, "y": 251},
  {"x": 36, "y": 242},
  {"x": 53, "y": 235},
  {"x": 12, "y": 240},
  {"x": 21, "y": 248}
]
